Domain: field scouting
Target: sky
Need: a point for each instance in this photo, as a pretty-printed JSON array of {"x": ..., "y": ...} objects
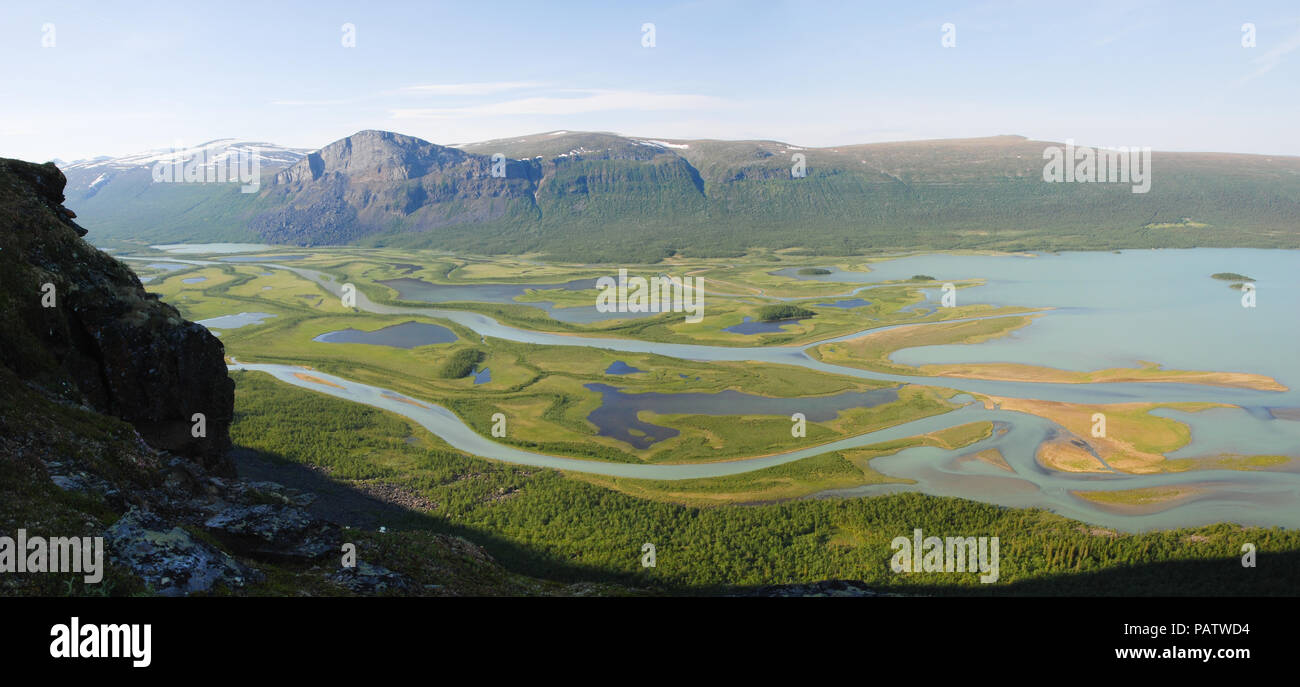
[{"x": 83, "y": 79}]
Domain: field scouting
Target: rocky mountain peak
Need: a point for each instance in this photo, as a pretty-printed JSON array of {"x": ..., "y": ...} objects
[{"x": 373, "y": 156}]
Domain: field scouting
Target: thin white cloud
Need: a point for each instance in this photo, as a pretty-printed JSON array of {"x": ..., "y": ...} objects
[
  {"x": 1271, "y": 59},
  {"x": 588, "y": 101},
  {"x": 480, "y": 88},
  {"x": 310, "y": 103}
]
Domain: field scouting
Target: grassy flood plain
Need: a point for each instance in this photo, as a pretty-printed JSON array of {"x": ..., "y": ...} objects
[
  {"x": 1134, "y": 500},
  {"x": 872, "y": 352},
  {"x": 744, "y": 292},
  {"x": 585, "y": 528},
  {"x": 833, "y": 470},
  {"x": 1135, "y": 440},
  {"x": 546, "y": 524},
  {"x": 540, "y": 389}
]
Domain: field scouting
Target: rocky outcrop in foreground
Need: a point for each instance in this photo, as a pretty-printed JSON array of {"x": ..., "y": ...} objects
[
  {"x": 100, "y": 388},
  {"x": 103, "y": 391},
  {"x": 79, "y": 324}
]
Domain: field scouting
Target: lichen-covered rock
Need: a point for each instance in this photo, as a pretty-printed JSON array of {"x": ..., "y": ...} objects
[
  {"x": 365, "y": 578},
  {"x": 78, "y": 323},
  {"x": 170, "y": 560},
  {"x": 274, "y": 531}
]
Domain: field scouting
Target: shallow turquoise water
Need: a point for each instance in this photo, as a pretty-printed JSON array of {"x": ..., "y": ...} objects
[
  {"x": 1256, "y": 498},
  {"x": 1109, "y": 310},
  {"x": 1113, "y": 310},
  {"x": 243, "y": 319}
]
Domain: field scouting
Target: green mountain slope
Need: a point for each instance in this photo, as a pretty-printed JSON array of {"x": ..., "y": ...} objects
[{"x": 601, "y": 196}]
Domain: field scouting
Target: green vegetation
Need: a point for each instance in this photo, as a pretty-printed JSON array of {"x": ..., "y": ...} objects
[
  {"x": 1239, "y": 280},
  {"x": 722, "y": 199},
  {"x": 776, "y": 313},
  {"x": 582, "y": 528},
  {"x": 833, "y": 470},
  {"x": 1230, "y": 461},
  {"x": 37, "y": 431},
  {"x": 873, "y": 351},
  {"x": 735, "y": 292},
  {"x": 540, "y": 388},
  {"x": 461, "y": 363},
  {"x": 1147, "y": 496},
  {"x": 575, "y": 527},
  {"x": 542, "y": 523},
  {"x": 57, "y": 433}
]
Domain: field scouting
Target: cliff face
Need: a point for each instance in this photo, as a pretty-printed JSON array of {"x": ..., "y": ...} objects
[
  {"x": 374, "y": 181},
  {"x": 78, "y": 324},
  {"x": 99, "y": 383}
]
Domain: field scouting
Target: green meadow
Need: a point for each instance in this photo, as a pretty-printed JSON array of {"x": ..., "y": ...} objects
[
  {"x": 574, "y": 528},
  {"x": 717, "y": 533},
  {"x": 541, "y": 389}
]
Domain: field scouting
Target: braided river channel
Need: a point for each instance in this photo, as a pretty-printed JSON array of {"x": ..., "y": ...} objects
[{"x": 1108, "y": 309}]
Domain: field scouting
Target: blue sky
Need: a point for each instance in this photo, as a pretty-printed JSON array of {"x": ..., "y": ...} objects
[{"x": 124, "y": 77}]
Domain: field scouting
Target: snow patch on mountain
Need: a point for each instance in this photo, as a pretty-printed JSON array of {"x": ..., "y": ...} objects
[
  {"x": 663, "y": 144},
  {"x": 216, "y": 152}
]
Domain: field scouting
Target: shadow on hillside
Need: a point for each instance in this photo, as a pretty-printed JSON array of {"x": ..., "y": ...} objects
[
  {"x": 347, "y": 505},
  {"x": 1274, "y": 574}
]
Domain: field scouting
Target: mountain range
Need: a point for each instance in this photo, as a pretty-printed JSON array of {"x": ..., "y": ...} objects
[{"x": 599, "y": 196}]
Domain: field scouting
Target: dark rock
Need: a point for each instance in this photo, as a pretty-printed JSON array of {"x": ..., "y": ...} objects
[
  {"x": 274, "y": 531},
  {"x": 170, "y": 560},
  {"x": 105, "y": 343},
  {"x": 251, "y": 493},
  {"x": 371, "y": 579},
  {"x": 69, "y": 477}
]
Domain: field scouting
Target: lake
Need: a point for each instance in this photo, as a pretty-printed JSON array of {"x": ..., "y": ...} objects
[
  {"x": 411, "y": 289},
  {"x": 243, "y": 319},
  {"x": 405, "y": 335},
  {"x": 617, "y": 415},
  {"x": 750, "y": 327},
  {"x": 211, "y": 248},
  {"x": 1245, "y": 497},
  {"x": 1109, "y": 309}
]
